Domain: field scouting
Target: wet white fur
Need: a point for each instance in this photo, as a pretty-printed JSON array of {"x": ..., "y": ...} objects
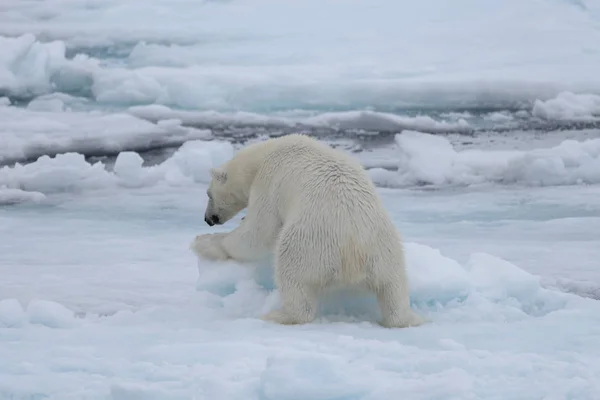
[{"x": 317, "y": 210}]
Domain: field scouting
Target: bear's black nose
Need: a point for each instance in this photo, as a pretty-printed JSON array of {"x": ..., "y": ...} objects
[{"x": 212, "y": 220}]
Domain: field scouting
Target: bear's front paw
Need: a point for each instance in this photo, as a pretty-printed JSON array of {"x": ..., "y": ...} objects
[{"x": 209, "y": 246}]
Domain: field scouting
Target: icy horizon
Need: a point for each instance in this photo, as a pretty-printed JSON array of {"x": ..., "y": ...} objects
[{"x": 255, "y": 55}]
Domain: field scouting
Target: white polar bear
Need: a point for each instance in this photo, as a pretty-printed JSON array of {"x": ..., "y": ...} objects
[{"x": 317, "y": 210}]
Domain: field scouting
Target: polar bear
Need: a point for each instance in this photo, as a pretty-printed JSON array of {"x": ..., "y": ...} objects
[{"x": 316, "y": 209}]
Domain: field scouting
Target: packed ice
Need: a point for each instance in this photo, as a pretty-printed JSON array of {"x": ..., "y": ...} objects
[
  {"x": 478, "y": 121},
  {"x": 255, "y": 56},
  {"x": 29, "y": 133}
]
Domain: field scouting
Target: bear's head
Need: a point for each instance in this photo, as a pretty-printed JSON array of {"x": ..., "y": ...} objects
[{"x": 225, "y": 198}]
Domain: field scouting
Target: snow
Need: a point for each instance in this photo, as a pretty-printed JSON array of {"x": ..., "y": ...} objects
[
  {"x": 478, "y": 120},
  {"x": 137, "y": 318},
  {"x": 100, "y": 269}
]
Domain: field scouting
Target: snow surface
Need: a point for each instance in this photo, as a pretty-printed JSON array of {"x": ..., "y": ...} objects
[
  {"x": 100, "y": 269},
  {"x": 460, "y": 108}
]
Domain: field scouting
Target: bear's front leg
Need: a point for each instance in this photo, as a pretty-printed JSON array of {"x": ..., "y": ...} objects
[
  {"x": 247, "y": 243},
  {"x": 253, "y": 240},
  {"x": 210, "y": 246}
]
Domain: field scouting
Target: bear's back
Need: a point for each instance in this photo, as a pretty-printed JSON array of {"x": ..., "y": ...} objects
[
  {"x": 326, "y": 191},
  {"x": 305, "y": 165},
  {"x": 309, "y": 157},
  {"x": 311, "y": 176},
  {"x": 330, "y": 193}
]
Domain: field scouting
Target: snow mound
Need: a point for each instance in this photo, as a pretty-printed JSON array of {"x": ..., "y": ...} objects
[
  {"x": 27, "y": 66},
  {"x": 50, "y": 314},
  {"x": 486, "y": 288},
  {"x": 30, "y": 133},
  {"x": 70, "y": 172},
  {"x": 190, "y": 163},
  {"x": 65, "y": 172},
  {"x": 569, "y": 106},
  {"x": 40, "y": 312},
  {"x": 431, "y": 160},
  {"x": 10, "y": 196}
]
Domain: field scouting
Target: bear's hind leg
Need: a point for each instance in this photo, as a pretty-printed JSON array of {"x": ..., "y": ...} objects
[
  {"x": 297, "y": 277},
  {"x": 395, "y": 306},
  {"x": 299, "y": 306}
]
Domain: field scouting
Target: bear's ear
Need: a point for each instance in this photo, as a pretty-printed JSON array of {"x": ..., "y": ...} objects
[{"x": 218, "y": 174}]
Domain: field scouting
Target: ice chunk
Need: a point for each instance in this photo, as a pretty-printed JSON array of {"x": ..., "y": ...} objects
[
  {"x": 431, "y": 160},
  {"x": 427, "y": 158},
  {"x": 10, "y": 196},
  {"x": 50, "y": 314},
  {"x": 435, "y": 278},
  {"x": 65, "y": 172},
  {"x": 26, "y": 65},
  {"x": 128, "y": 167},
  {"x": 440, "y": 288},
  {"x": 220, "y": 279},
  {"x": 569, "y": 106},
  {"x": 194, "y": 159},
  {"x": 71, "y": 172}
]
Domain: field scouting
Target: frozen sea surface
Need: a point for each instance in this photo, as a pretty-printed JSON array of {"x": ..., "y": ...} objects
[
  {"x": 478, "y": 120},
  {"x": 102, "y": 299}
]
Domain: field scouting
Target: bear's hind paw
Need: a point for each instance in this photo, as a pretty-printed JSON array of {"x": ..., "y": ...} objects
[
  {"x": 280, "y": 317},
  {"x": 407, "y": 321}
]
